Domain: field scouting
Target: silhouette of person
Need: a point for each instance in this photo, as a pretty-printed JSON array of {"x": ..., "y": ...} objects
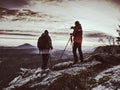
[
  {"x": 44, "y": 45},
  {"x": 77, "y": 41}
]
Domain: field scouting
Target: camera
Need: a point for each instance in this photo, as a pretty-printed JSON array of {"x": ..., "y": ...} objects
[{"x": 72, "y": 27}]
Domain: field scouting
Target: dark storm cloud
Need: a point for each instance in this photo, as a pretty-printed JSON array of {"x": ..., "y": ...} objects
[
  {"x": 95, "y": 35},
  {"x": 115, "y": 2},
  {"x": 19, "y": 3},
  {"x": 13, "y": 3}
]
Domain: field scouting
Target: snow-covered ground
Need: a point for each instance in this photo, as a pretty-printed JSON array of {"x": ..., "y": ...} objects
[
  {"x": 99, "y": 71},
  {"x": 47, "y": 77},
  {"x": 110, "y": 79}
]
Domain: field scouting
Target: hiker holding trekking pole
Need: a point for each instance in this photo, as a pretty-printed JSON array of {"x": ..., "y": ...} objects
[
  {"x": 45, "y": 45},
  {"x": 77, "y": 41}
]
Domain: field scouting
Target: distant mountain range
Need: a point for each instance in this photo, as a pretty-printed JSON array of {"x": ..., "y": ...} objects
[
  {"x": 21, "y": 49},
  {"x": 30, "y": 49}
]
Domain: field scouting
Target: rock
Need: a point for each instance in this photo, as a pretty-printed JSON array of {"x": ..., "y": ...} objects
[
  {"x": 108, "y": 49},
  {"x": 108, "y": 79},
  {"x": 61, "y": 66},
  {"x": 92, "y": 81},
  {"x": 103, "y": 79}
]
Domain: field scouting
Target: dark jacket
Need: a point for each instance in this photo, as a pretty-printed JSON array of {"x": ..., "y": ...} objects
[{"x": 44, "y": 42}]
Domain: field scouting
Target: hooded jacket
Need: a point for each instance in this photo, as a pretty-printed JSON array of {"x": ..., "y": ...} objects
[{"x": 77, "y": 34}]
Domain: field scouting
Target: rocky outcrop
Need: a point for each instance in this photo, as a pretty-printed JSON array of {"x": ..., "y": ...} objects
[
  {"x": 52, "y": 80},
  {"x": 108, "y": 49},
  {"x": 107, "y": 80},
  {"x": 100, "y": 71}
]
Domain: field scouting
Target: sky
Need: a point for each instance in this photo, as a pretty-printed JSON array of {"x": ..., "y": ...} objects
[
  {"x": 94, "y": 15},
  {"x": 98, "y": 15}
]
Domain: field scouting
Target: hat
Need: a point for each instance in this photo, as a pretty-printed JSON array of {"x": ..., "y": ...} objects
[
  {"x": 77, "y": 23},
  {"x": 46, "y": 31}
]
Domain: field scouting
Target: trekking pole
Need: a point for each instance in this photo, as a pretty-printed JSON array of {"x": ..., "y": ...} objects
[
  {"x": 39, "y": 51},
  {"x": 65, "y": 48}
]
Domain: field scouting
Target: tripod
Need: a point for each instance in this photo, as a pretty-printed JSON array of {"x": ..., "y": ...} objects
[{"x": 70, "y": 39}]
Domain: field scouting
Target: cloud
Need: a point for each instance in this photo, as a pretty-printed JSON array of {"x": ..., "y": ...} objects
[
  {"x": 96, "y": 34},
  {"x": 20, "y": 3},
  {"x": 14, "y": 3},
  {"x": 115, "y": 2}
]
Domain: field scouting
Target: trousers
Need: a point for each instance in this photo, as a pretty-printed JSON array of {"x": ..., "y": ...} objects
[
  {"x": 77, "y": 46},
  {"x": 45, "y": 58}
]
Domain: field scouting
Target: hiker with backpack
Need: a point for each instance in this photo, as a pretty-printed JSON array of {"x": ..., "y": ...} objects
[
  {"x": 44, "y": 45},
  {"x": 77, "y": 41}
]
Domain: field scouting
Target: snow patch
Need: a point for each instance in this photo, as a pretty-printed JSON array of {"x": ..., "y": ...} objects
[
  {"x": 46, "y": 77},
  {"x": 113, "y": 82}
]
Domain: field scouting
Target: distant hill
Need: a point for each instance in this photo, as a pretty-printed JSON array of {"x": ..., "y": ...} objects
[
  {"x": 22, "y": 49},
  {"x": 1, "y": 8},
  {"x": 25, "y": 46}
]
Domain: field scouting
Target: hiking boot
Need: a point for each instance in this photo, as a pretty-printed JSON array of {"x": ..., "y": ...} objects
[
  {"x": 75, "y": 62},
  {"x": 81, "y": 61}
]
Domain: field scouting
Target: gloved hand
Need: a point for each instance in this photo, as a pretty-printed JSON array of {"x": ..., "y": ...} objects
[
  {"x": 71, "y": 34},
  {"x": 72, "y": 27},
  {"x": 51, "y": 47}
]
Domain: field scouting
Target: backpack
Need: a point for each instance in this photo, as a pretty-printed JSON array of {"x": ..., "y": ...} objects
[{"x": 43, "y": 42}]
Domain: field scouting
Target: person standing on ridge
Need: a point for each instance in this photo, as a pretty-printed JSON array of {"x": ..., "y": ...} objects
[
  {"x": 77, "y": 41},
  {"x": 44, "y": 44}
]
